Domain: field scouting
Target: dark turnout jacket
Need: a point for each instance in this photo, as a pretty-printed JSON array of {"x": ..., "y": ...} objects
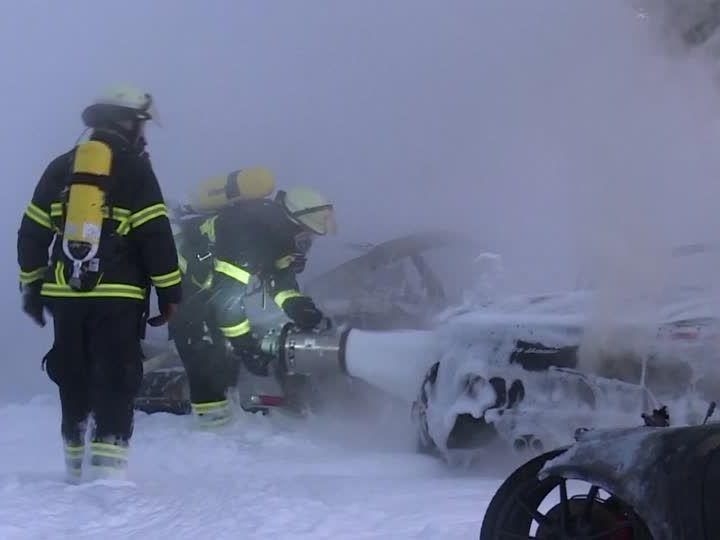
[
  {"x": 220, "y": 254},
  {"x": 137, "y": 245}
]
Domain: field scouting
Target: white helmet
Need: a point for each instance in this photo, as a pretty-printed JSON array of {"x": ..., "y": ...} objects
[
  {"x": 309, "y": 208},
  {"x": 120, "y": 102}
]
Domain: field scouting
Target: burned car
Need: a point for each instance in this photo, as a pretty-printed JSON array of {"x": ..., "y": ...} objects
[
  {"x": 651, "y": 482},
  {"x": 520, "y": 371},
  {"x": 526, "y": 371}
]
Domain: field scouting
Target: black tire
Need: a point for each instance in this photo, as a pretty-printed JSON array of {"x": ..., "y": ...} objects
[
  {"x": 418, "y": 413},
  {"x": 503, "y": 506},
  {"x": 510, "y": 512},
  {"x": 423, "y": 443}
]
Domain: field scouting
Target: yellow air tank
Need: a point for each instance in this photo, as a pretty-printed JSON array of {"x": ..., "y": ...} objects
[
  {"x": 219, "y": 191},
  {"x": 84, "y": 207}
]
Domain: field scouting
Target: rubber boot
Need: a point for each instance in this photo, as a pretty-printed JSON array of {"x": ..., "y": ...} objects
[
  {"x": 109, "y": 459},
  {"x": 74, "y": 450},
  {"x": 74, "y": 454},
  {"x": 212, "y": 415}
]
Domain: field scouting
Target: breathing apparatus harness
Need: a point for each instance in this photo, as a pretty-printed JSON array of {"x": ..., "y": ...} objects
[
  {"x": 86, "y": 200},
  {"x": 196, "y": 227}
]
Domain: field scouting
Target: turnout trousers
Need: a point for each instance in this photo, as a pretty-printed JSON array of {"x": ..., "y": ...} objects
[
  {"x": 210, "y": 367},
  {"x": 96, "y": 363}
]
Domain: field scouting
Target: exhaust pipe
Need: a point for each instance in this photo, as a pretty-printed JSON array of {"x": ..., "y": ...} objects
[{"x": 528, "y": 442}]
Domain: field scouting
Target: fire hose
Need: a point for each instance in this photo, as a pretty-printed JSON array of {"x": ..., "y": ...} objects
[{"x": 393, "y": 361}]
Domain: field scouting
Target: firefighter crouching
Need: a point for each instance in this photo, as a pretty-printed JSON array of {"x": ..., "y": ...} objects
[
  {"x": 219, "y": 253},
  {"x": 103, "y": 207}
]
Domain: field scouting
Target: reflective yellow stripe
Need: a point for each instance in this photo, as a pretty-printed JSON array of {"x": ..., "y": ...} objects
[
  {"x": 283, "y": 296},
  {"x": 108, "y": 456},
  {"x": 124, "y": 227},
  {"x": 210, "y": 406},
  {"x": 182, "y": 263},
  {"x": 205, "y": 284},
  {"x": 38, "y": 215},
  {"x": 60, "y": 273},
  {"x": 109, "y": 450},
  {"x": 122, "y": 215},
  {"x": 235, "y": 272},
  {"x": 208, "y": 228},
  {"x": 74, "y": 451},
  {"x": 212, "y": 414},
  {"x": 215, "y": 422},
  {"x": 118, "y": 212},
  {"x": 147, "y": 214},
  {"x": 29, "y": 277},
  {"x": 167, "y": 280},
  {"x": 284, "y": 262},
  {"x": 103, "y": 290},
  {"x": 236, "y": 330}
]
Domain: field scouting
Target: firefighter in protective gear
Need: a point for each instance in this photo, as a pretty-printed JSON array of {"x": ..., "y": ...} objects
[
  {"x": 219, "y": 253},
  {"x": 101, "y": 209}
]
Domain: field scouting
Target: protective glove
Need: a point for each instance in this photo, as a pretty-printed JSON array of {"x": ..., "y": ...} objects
[
  {"x": 167, "y": 312},
  {"x": 256, "y": 362},
  {"x": 298, "y": 264},
  {"x": 247, "y": 350},
  {"x": 32, "y": 303},
  {"x": 303, "y": 312}
]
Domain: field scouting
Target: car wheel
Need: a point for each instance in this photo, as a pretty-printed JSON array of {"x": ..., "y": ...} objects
[{"x": 524, "y": 507}]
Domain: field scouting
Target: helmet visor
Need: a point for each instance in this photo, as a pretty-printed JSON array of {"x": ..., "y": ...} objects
[
  {"x": 150, "y": 111},
  {"x": 320, "y": 219}
]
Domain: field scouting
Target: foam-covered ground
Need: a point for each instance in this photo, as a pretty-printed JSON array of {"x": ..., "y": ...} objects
[{"x": 262, "y": 478}]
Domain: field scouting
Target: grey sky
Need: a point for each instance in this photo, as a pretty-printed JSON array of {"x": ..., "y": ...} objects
[{"x": 553, "y": 131}]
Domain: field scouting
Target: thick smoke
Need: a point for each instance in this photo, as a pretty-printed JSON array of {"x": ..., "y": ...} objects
[{"x": 561, "y": 134}]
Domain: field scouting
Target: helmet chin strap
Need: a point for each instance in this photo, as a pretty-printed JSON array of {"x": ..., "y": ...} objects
[{"x": 84, "y": 131}]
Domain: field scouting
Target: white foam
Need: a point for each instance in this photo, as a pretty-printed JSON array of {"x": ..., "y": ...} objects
[
  {"x": 262, "y": 477},
  {"x": 394, "y": 362}
]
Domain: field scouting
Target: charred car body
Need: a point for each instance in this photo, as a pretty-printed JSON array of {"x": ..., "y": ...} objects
[
  {"x": 643, "y": 483},
  {"x": 521, "y": 371},
  {"x": 529, "y": 371}
]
